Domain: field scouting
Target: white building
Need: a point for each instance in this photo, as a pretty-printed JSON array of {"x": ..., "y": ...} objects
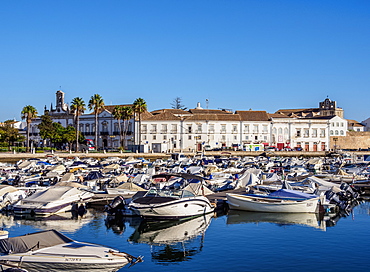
[
  {"x": 108, "y": 126},
  {"x": 201, "y": 129},
  {"x": 196, "y": 129}
]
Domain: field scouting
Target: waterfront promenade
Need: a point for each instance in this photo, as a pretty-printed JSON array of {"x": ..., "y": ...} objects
[{"x": 9, "y": 156}]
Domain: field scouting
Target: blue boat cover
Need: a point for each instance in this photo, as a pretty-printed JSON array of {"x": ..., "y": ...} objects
[{"x": 291, "y": 194}]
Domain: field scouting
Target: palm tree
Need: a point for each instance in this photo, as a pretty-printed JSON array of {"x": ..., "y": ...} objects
[
  {"x": 96, "y": 103},
  {"x": 78, "y": 107},
  {"x": 139, "y": 106},
  {"x": 29, "y": 113},
  {"x": 118, "y": 114},
  {"x": 127, "y": 113}
]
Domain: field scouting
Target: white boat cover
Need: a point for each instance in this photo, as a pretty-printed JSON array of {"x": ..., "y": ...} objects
[
  {"x": 33, "y": 241},
  {"x": 198, "y": 189}
]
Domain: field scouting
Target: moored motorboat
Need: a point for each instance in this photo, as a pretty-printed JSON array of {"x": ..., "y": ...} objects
[
  {"x": 304, "y": 203},
  {"x": 53, "y": 251},
  {"x": 53, "y": 200},
  {"x": 171, "y": 203}
]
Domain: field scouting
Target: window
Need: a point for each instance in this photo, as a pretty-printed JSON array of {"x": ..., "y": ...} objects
[
  {"x": 144, "y": 137},
  {"x": 246, "y": 128},
  {"x": 199, "y": 128},
  {"x": 298, "y": 132},
  {"x": 154, "y": 129},
  {"x": 105, "y": 127},
  {"x": 331, "y": 132},
  {"x": 154, "y": 137},
  {"x": 174, "y": 128},
  {"x": 264, "y": 129},
  {"x": 336, "y": 132},
  {"x": 189, "y": 129},
  {"x": 144, "y": 128},
  {"x": 189, "y": 137},
  {"x": 211, "y": 128},
  {"x": 164, "y": 137},
  {"x": 164, "y": 128},
  {"x": 223, "y": 137},
  {"x": 306, "y": 133},
  {"x": 314, "y": 133},
  {"x": 247, "y": 138},
  {"x": 223, "y": 128},
  {"x": 235, "y": 137},
  {"x": 322, "y": 133},
  {"x": 235, "y": 128},
  {"x": 255, "y": 128},
  {"x": 342, "y": 132}
]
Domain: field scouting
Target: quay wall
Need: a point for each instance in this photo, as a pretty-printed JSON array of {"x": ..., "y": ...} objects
[
  {"x": 12, "y": 157},
  {"x": 353, "y": 140}
]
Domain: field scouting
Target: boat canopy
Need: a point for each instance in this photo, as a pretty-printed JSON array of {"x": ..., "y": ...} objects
[
  {"x": 291, "y": 194},
  {"x": 33, "y": 241}
]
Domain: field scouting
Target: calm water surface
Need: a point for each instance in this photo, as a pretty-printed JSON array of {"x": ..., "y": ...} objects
[{"x": 238, "y": 241}]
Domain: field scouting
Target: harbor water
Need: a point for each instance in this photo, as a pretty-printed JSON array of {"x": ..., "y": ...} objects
[{"x": 235, "y": 241}]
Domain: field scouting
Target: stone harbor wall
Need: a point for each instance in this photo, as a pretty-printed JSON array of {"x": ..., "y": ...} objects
[{"x": 354, "y": 140}]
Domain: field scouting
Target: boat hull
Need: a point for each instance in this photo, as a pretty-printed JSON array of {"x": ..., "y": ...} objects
[
  {"x": 256, "y": 204},
  {"x": 175, "y": 209}
]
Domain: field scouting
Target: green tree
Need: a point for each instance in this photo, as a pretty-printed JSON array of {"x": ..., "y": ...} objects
[
  {"x": 96, "y": 103},
  {"x": 9, "y": 134},
  {"x": 127, "y": 113},
  {"x": 139, "y": 106},
  {"x": 46, "y": 128},
  {"x": 177, "y": 104},
  {"x": 118, "y": 114},
  {"x": 69, "y": 136},
  {"x": 78, "y": 108},
  {"x": 28, "y": 113}
]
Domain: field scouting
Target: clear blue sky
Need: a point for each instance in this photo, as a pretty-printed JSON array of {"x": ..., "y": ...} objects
[{"x": 263, "y": 55}]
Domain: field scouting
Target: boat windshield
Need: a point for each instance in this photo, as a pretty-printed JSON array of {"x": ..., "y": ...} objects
[{"x": 153, "y": 192}]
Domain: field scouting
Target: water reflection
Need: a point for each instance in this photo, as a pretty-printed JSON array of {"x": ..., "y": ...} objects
[
  {"x": 173, "y": 241},
  {"x": 63, "y": 222},
  {"x": 306, "y": 219}
]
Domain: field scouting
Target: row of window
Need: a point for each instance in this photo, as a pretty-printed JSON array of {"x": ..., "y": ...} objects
[{"x": 306, "y": 132}]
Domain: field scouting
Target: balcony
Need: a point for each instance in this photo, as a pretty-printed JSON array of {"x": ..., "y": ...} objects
[
  {"x": 164, "y": 131},
  {"x": 174, "y": 131},
  {"x": 153, "y": 131}
]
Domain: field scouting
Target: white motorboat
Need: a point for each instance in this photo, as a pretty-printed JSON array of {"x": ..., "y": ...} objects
[
  {"x": 53, "y": 200},
  {"x": 10, "y": 195},
  {"x": 171, "y": 203},
  {"x": 304, "y": 203},
  {"x": 52, "y": 251}
]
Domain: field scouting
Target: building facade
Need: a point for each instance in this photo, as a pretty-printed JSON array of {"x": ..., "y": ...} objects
[{"x": 201, "y": 129}]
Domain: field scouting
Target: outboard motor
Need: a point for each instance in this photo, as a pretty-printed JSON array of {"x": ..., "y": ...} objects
[
  {"x": 349, "y": 191},
  {"x": 334, "y": 198},
  {"x": 117, "y": 204}
]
